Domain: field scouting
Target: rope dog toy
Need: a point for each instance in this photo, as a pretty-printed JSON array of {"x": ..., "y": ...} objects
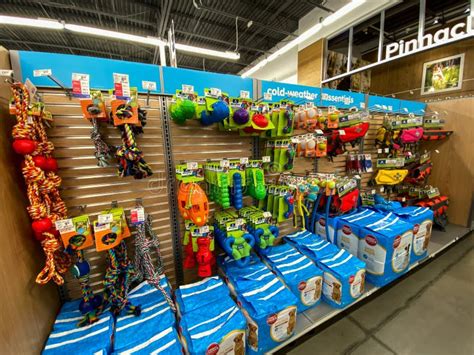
[
  {"x": 39, "y": 171},
  {"x": 143, "y": 261}
]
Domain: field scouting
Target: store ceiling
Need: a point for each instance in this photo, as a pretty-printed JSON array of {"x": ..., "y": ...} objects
[{"x": 212, "y": 26}]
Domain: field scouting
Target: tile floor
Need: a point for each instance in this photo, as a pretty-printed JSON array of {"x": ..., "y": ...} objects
[{"x": 430, "y": 312}]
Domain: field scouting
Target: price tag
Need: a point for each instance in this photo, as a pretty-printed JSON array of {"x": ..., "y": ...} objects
[
  {"x": 80, "y": 85},
  {"x": 224, "y": 163},
  {"x": 41, "y": 72},
  {"x": 267, "y": 214},
  {"x": 239, "y": 222},
  {"x": 382, "y": 189},
  {"x": 187, "y": 89},
  {"x": 266, "y": 159},
  {"x": 244, "y": 94},
  {"x": 65, "y": 226},
  {"x": 6, "y": 72},
  {"x": 267, "y": 96},
  {"x": 101, "y": 227},
  {"x": 137, "y": 215},
  {"x": 404, "y": 199},
  {"x": 362, "y": 105},
  {"x": 215, "y": 92},
  {"x": 320, "y": 132},
  {"x": 387, "y": 150},
  {"x": 121, "y": 85},
  {"x": 105, "y": 218},
  {"x": 149, "y": 85},
  {"x": 373, "y": 192},
  {"x": 192, "y": 165},
  {"x": 379, "y": 151},
  {"x": 203, "y": 229},
  {"x": 342, "y": 132},
  {"x": 244, "y": 161}
]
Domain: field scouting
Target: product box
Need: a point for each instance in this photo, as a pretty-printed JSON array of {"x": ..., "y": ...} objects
[
  {"x": 344, "y": 278},
  {"x": 298, "y": 273},
  {"x": 68, "y": 338},
  {"x": 146, "y": 295},
  {"x": 422, "y": 220},
  {"x": 268, "y": 305},
  {"x": 311, "y": 245},
  {"x": 210, "y": 321},
  {"x": 349, "y": 226},
  {"x": 385, "y": 248},
  {"x": 320, "y": 227}
]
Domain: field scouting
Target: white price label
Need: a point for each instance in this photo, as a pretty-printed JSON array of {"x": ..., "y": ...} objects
[
  {"x": 64, "y": 226},
  {"x": 342, "y": 132},
  {"x": 6, "y": 72},
  {"x": 266, "y": 159},
  {"x": 31, "y": 89},
  {"x": 41, "y": 72},
  {"x": 215, "y": 92},
  {"x": 121, "y": 85},
  {"x": 149, "y": 85},
  {"x": 373, "y": 192},
  {"x": 387, "y": 150},
  {"x": 105, "y": 218},
  {"x": 239, "y": 222},
  {"x": 203, "y": 229},
  {"x": 380, "y": 151},
  {"x": 267, "y": 214},
  {"x": 362, "y": 105},
  {"x": 224, "y": 163},
  {"x": 404, "y": 199},
  {"x": 244, "y": 161},
  {"x": 267, "y": 96},
  {"x": 192, "y": 165},
  {"x": 80, "y": 84},
  {"x": 244, "y": 94},
  {"x": 382, "y": 189},
  {"x": 187, "y": 89},
  {"x": 320, "y": 132}
]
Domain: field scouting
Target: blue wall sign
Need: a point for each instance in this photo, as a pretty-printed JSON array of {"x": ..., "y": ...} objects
[
  {"x": 100, "y": 70},
  {"x": 299, "y": 94},
  {"x": 383, "y": 104},
  {"x": 174, "y": 78},
  {"x": 415, "y": 107}
]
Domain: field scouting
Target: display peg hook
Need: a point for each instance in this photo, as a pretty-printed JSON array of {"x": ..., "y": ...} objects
[
  {"x": 114, "y": 204},
  {"x": 67, "y": 91},
  {"x": 139, "y": 202}
]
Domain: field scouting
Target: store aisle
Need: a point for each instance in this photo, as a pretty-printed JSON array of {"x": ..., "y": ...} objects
[{"x": 429, "y": 312}]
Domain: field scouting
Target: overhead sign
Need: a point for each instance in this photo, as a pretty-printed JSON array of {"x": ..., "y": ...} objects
[
  {"x": 443, "y": 35},
  {"x": 299, "y": 94}
]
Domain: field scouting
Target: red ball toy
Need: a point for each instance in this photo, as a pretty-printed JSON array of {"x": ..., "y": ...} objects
[{"x": 24, "y": 146}]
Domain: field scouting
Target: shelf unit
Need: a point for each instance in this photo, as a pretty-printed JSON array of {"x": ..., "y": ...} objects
[{"x": 316, "y": 317}]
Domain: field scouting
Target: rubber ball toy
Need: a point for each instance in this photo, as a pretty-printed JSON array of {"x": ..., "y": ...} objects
[
  {"x": 220, "y": 111},
  {"x": 241, "y": 116},
  {"x": 182, "y": 111}
]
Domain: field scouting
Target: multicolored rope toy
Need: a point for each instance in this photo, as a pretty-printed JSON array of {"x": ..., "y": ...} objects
[
  {"x": 91, "y": 305},
  {"x": 143, "y": 260},
  {"x": 39, "y": 171},
  {"x": 118, "y": 277},
  {"x": 131, "y": 162},
  {"x": 102, "y": 149}
]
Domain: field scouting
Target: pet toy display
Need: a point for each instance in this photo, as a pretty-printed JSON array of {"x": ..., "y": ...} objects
[
  {"x": 259, "y": 224},
  {"x": 198, "y": 245},
  {"x": 39, "y": 171},
  {"x": 94, "y": 110},
  {"x": 358, "y": 163},
  {"x": 130, "y": 119},
  {"x": 233, "y": 237}
]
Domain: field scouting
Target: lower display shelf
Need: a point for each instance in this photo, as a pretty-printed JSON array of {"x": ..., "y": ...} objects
[{"x": 313, "y": 318}]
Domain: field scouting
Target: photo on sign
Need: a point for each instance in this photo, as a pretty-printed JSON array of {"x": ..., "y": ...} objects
[{"x": 443, "y": 74}]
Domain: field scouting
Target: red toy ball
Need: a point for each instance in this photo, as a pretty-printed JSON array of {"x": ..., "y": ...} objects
[
  {"x": 24, "y": 146},
  {"x": 51, "y": 165},
  {"x": 41, "y": 225},
  {"x": 40, "y": 161},
  {"x": 260, "y": 120}
]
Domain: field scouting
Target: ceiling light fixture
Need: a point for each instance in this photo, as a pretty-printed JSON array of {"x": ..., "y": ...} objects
[
  {"x": 31, "y": 22},
  {"x": 116, "y": 35},
  {"x": 207, "y": 52},
  {"x": 304, "y": 36},
  {"x": 151, "y": 41},
  {"x": 436, "y": 20}
]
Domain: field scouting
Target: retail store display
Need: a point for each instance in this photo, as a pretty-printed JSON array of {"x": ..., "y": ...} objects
[{"x": 39, "y": 171}]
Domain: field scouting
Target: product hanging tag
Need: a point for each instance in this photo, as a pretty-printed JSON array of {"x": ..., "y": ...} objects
[
  {"x": 244, "y": 94},
  {"x": 137, "y": 215},
  {"x": 122, "y": 86},
  {"x": 187, "y": 89},
  {"x": 105, "y": 218},
  {"x": 80, "y": 85},
  {"x": 149, "y": 85},
  {"x": 42, "y": 72}
]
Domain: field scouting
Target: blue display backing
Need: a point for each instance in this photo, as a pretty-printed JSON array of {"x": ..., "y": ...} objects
[
  {"x": 174, "y": 78},
  {"x": 100, "y": 70},
  {"x": 101, "y": 77}
]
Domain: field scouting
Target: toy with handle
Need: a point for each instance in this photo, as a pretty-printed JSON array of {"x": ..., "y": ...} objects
[
  {"x": 237, "y": 191},
  {"x": 204, "y": 257}
]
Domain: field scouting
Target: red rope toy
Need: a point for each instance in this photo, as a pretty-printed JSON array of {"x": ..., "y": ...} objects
[{"x": 39, "y": 171}]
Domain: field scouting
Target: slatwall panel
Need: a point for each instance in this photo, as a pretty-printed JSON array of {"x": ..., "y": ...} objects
[
  {"x": 84, "y": 183},
  {"x": 193, "y": 142}
]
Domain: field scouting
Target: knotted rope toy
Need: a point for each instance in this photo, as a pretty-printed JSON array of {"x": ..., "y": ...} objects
[
  {"x": 131, "y": 162},
  {"x": 118, "y": 277},
  {"x": 91, "y": 305},
  {"x": 143, "y": 261},
  {"x": 94, "y": 111},
  {"x": 42, "y": 182}
]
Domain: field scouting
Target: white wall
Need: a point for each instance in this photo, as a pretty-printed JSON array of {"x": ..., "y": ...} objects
[{"x": 286, "y": 66}]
